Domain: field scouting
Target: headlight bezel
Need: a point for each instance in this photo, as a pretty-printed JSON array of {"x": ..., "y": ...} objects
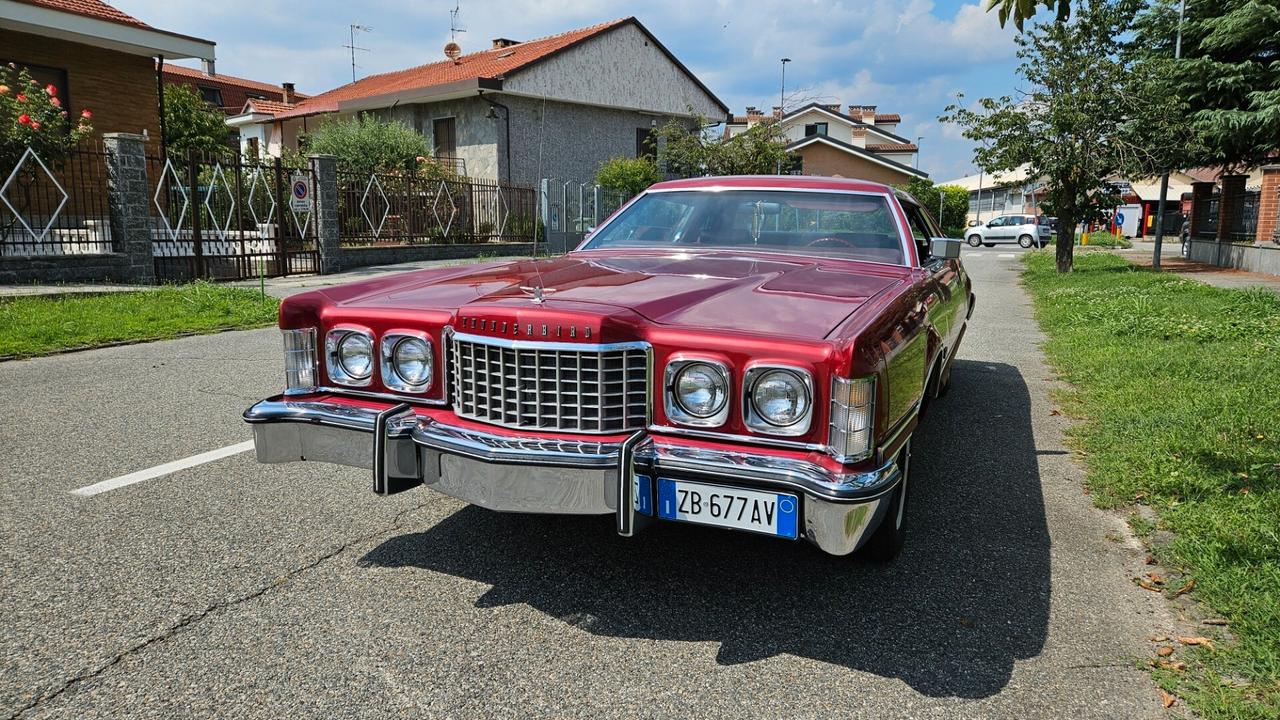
[
  {"x": 754, "y": 420},
  {"x": 337, "y": 370},
  {"x": 391, "y": 375},
  {"x": 300, "y": 362},
  {"x": 676, "y": 412}
]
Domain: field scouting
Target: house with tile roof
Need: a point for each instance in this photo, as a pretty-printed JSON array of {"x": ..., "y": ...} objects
[
  {"x": 859, "y": 143},
  {"x": 98, "y": 57},
  {"x": 227, "y": 92},
  {"x": 518, "y": 111}
]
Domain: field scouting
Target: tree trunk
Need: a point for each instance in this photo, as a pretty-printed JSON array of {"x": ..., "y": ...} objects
[{"x": 1065, "y": 244}]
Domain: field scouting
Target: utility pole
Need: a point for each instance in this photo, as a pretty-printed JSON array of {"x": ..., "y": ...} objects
[
  {"x": 1164, "y": 179},
  {"x": 782, "y": 104},
  {"x": 918, "y": 139},
  {"x": 352, "y": 46}
]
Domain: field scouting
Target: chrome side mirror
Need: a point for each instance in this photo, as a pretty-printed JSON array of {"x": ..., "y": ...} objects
[{"x": 945, "y": 248}]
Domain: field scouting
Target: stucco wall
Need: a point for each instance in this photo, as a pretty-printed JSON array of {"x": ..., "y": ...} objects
[
  {"x": 621, "y": 69},
  {"x": 477, "y": 135},
  {"x": 822, "y": 159},
  {"x": 575, "y": 139}
]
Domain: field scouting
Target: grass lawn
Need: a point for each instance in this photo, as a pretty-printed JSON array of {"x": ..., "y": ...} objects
[
  {"x": 39, "y": 325},
  {"x": 1177, "y": 385}
]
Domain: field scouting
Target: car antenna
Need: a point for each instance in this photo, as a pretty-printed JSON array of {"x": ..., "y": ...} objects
[{"x": 542, "y": 124}]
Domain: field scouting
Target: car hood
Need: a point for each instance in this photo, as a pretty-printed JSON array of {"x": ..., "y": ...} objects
[{"x": 797, "y": 297}]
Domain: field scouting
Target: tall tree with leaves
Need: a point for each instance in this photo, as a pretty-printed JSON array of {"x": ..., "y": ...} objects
[
  {"x": 190, "y": 123},
  {"x": 1229, "y": 74},
  {"x": 1021, "y": 11},
  {"x": 761, "y": 150},
  {"x": 1088, "y": 113}
]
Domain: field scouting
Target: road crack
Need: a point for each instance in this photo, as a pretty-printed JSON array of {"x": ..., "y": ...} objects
[{"x": 193, "y": 618}]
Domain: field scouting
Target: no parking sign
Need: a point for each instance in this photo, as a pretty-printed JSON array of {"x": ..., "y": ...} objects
[{"x": 300, "y": 192}]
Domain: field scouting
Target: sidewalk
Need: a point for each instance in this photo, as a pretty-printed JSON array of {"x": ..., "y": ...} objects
[
  {"x": 280, "y": 287},
  {"x": 1171, "y": 260}
]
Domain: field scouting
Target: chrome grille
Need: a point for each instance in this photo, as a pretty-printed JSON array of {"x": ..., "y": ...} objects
[{"x": 550, "y": 386}]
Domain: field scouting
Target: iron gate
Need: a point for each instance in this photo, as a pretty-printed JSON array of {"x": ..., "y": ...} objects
[{"x": 223, "y": 217}]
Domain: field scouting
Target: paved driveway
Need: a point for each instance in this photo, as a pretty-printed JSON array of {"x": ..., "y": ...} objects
[{"x": 238, "y": 590}]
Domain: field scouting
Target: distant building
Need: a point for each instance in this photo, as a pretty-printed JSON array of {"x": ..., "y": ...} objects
[
  {"x": 859, "y": 143},
  {"x": 97, "y": 57},
  {"x": 228, "y": 92},
  {"x": 553, "y": 107}
]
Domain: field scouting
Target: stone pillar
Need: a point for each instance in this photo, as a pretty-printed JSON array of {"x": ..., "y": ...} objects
[
  {"x": 1269, "y": 206},
  {"x": 326, "y": 212},
  {"x": 1201, "y": 193},
  {"x": 1229, "y": 204},
  {"x": 128, "y": 196}
]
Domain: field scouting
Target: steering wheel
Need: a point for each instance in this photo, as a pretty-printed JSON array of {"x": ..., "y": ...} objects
[{"x": 830, "y": 239}]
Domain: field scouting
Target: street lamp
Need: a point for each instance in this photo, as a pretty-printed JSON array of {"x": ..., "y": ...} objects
[
  {"x": 782, "y": 96},
  {"x": 918, "y": 139},
  {"x": 1164, "y": 179}
]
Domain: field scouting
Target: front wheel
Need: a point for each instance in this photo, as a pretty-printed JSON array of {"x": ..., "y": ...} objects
[
  {"x": 1026, "y": 241},
  {"x": 975, "y": 241},
  {"x": 886, "y": 542}
]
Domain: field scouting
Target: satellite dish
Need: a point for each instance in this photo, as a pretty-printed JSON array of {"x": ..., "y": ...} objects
[{"x": 452, "y": 50}]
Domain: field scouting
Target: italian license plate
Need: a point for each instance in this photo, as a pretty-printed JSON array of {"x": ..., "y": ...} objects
[{"x": 751, "y": 510}]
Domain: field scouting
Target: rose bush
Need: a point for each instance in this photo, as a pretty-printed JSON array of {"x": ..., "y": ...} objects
[{"x": 33, "y": 116}]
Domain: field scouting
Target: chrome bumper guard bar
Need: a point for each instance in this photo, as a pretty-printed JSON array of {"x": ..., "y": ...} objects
[{"x": 521, "y": 474}]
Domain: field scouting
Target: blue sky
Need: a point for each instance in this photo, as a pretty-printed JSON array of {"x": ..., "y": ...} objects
[{"x": 904, "y": 56}]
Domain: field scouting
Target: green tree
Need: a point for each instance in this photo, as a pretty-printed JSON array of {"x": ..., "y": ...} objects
[
  {"x": 628, "y": 175},
  {"x": 1229, "y": 74},
  {"x": 954, "y": 205},
  {"x": 190, "y": 123},
  {"x": 761, "y": 150},
  {"x": 1022, "y": 10},
  {"x": 1089, "y": 113},
  {"x": 368, "y": 144}
]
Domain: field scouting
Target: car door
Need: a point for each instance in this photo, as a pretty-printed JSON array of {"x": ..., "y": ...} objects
[
  {"x": 1003, "y": 229},
  {"x": 945, "y": 295}
]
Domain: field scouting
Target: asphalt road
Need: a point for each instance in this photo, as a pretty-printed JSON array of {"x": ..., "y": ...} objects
[{"x": 233, "y": 589}]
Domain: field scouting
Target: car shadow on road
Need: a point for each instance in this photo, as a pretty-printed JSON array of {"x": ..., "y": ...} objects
[{"x": 968, "y": 597}]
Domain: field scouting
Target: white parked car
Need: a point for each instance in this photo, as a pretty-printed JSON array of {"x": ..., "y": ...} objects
[{"x": 1026, "y": 230}]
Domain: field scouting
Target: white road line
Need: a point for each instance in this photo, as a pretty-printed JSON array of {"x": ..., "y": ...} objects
[
  {"x": 1008, "y": 255},
  {"x": 162, "y": 470}
]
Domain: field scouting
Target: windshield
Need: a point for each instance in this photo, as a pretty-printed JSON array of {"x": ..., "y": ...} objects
[{"x": 847, "y": 225}]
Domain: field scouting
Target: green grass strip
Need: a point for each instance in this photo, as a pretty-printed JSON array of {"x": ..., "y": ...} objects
[
  {"x": 40, "y": 325},
  {"x": 1177, "y": 384}
]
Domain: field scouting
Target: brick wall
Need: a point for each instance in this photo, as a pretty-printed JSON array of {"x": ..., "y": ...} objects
[
  {"x": 1269, "y": 206},
  {"x": 120, "y": 89}
]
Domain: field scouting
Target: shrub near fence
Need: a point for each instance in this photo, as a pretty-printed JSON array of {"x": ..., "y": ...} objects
[{"x": 394, "y": 209}]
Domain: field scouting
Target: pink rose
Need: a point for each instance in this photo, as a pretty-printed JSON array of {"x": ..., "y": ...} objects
[
  {"x": 24, "y": 119},
  {"x": 21, "y": 97},
  {"x": 52, "y": 90},
  {"x": 35, "y": 125},
  {"x": 55, "y": 101},
  {"x": 86, "y": 114}
]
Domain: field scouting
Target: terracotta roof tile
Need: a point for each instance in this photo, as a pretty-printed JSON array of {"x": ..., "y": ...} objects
[
  {"x": 486, "y": 64},
  {"x": 888, "y": 117},
  {"x": 226, "y": 80},
  {"x": 892, "y": 147},
  {"x": 89, "y": 8},
  {"x": 267, "y": 107}
]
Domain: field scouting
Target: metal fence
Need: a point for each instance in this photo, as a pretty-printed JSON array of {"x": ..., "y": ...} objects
[
  {"x": 223, "y": 217},
  {"x": 569, "y": 210},
  {"x": 391, "y": 209},
  {"x": 55, "y": 204},
  {"x": 1244, "y": 222}
]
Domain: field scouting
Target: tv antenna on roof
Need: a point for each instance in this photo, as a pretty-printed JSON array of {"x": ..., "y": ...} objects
[
  {"x": 352, "y": 46},
  {"x": 453, "y": 23}
]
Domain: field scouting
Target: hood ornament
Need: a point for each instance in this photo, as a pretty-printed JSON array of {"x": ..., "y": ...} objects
[{"x": 537, "y": 292}]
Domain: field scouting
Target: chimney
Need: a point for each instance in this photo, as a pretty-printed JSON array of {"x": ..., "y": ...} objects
[
  {"x": 859, "y": 137},
  {"x": 286, "y": 94},
  {"x": 777, "y": 111},
  {"x": 834, "y": 108},
  {"x": 207, "y": 67},
  {"x": 869, "y": 114},
  {"x": 499, "y": 43}
]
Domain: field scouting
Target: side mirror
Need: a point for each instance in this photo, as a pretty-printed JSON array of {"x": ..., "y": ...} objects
[
  {"x": 974, "y": 223},
  {"x": 945, "y": 248}
]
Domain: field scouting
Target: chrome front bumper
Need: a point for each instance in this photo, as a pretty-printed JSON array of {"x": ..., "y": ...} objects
[{"x": 525, "y": 474}]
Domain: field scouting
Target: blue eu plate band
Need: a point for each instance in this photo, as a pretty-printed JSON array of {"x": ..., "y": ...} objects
[{"x": 629, "y": 521}]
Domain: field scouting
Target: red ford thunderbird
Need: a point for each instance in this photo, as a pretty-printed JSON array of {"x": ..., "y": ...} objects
[{"x": 749, "y": 353}]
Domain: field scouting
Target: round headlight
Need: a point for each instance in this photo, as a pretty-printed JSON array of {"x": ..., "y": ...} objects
[
  {"x": 780, "y": 398},
  {"x": 700, "y": 390},
  {"x": 355, "y": 354},
  {"x": 411, "y": 360}
]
